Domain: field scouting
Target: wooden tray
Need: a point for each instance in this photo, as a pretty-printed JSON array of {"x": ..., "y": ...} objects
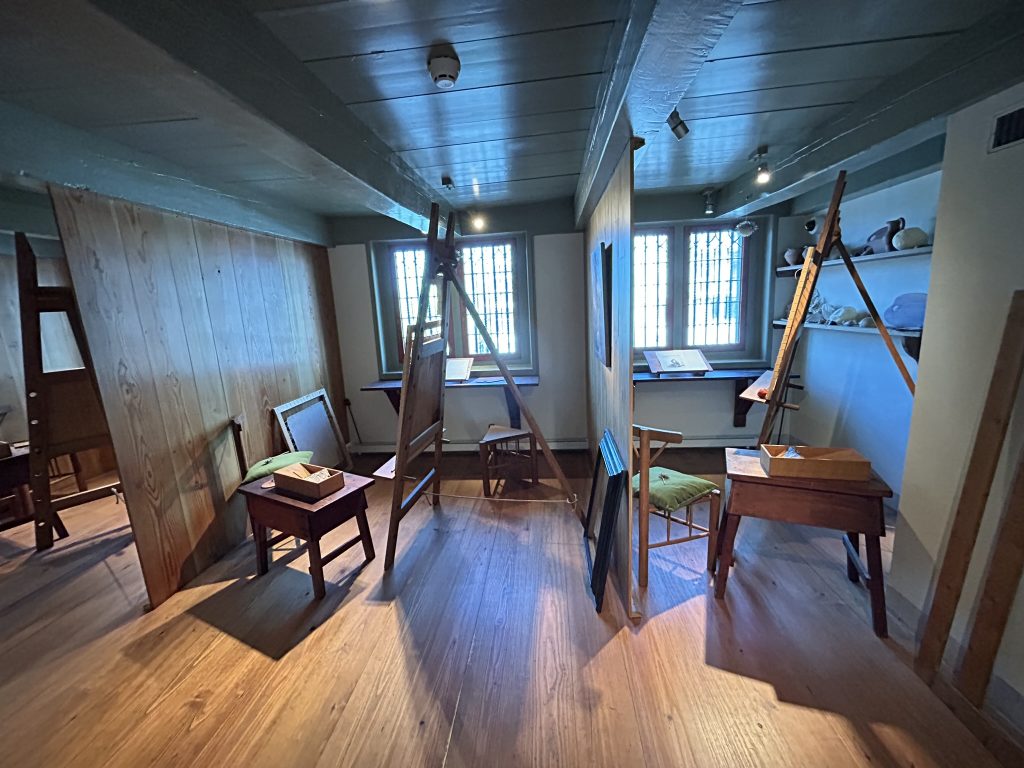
[
  {"x": 293, "y": 481},
  {"x": 815, "y": 463}
]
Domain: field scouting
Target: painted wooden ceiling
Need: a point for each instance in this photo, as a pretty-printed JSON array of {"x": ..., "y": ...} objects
[
  {"x": 783, "y": 67},
  {"x": 514, "y": 129}
]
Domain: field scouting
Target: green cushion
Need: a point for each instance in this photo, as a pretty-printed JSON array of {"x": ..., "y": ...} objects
[
  {"x": 274, "y": 463},
  {"x": 671, "y": 490}
]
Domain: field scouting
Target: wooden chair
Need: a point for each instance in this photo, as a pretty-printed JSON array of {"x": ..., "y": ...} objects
[
  {"x": 644, "y": 436},
  {"x": 502, "y": 450}
]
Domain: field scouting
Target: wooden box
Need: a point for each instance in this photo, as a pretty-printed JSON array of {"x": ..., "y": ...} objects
[
  {"x": 308, "y": 481},
  {"x": 814, "y": 463}
]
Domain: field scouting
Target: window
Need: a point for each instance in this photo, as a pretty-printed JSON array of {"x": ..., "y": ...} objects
[
  {"x": 495, "y": 274},
  {"x": 695, "y": 286}
]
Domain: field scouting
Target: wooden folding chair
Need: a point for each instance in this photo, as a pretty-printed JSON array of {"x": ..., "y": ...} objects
[{"x": 644, "y": 435}]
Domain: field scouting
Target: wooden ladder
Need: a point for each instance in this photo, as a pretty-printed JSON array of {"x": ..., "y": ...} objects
[{"x": 65, "y": 414}]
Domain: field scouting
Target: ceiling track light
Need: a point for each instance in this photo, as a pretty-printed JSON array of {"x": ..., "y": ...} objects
[
  {"x": 675, "y": 122},
  {"x": 764, "y": 172},
  {"x": 709, "y": 201}
]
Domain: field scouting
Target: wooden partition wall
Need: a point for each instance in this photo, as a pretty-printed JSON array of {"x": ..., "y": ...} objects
[
  {"x": 190, "y": 323},
  {"x": 610, "y": 388}
]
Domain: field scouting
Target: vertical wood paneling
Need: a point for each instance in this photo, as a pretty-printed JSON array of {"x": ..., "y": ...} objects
[
  {"x": 610, "y": 389},
  {"x": 190, "y": 323},
  {"x": 103, "y": 288}
]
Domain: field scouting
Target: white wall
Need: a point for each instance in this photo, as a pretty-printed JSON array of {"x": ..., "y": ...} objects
[
  {"x": 978, "y": 262},
  {"x": 558, "y": 403},
  {"x": 855, "y": 397}
]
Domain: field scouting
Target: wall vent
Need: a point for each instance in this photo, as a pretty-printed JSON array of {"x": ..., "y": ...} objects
[{"x": 1008, "y": 129}]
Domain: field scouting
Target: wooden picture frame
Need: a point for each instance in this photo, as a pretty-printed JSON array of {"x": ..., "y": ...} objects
[
  {"x": 601, "y": 301},
  {"x": 308, "y": 423},
  {"x": 606, "y": 489}
]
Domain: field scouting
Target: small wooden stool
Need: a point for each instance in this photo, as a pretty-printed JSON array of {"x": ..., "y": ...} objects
[
  {"x": 501, "y": 450},
  {"x": 307, "y": 520}
]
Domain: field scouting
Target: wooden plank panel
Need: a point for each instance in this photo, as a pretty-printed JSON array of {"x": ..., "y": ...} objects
[
  {"x": 610, "y": 401},
  {"x": 12, "y": 377},
  {"x": 222, "y": 472},
  {"x": 284, "y": 342},
  {"x": 99, "y": 268},
  {"x": 222, "y": 301},
  {"x": 256, "y": 331},
  {"x": 988, "y": 444},
  {"x": 1002, "y": 578},
  {"x": 148, "y": 251}
]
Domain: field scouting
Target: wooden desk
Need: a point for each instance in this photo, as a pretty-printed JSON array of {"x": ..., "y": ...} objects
[
  {"x": 852, "y": 507},
  {"x": 393, "y": 389},
  {"x": 308, "y": 521}
]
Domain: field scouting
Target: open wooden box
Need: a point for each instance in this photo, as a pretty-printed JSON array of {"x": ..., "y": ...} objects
[
  {"x": 308, "y": 481},
  {"x": 814, "y": 463}
]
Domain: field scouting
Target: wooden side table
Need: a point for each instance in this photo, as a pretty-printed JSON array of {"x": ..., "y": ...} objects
[
  {"x": 308, "y": 521},
  {"x": 852, "y": 507}
]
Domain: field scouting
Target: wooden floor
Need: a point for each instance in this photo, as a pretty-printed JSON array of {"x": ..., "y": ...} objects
[{"x": 481, "y": 648}]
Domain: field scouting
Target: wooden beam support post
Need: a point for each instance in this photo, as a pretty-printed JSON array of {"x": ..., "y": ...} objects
[
  {"x": 977, "y": 484},
  {"x": 1005, "y": 565}
]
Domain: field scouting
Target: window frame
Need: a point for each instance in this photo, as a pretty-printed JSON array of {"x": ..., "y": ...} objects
[
  {"x": 387, "y": 316},
  {"x": 754, "y": 337}
]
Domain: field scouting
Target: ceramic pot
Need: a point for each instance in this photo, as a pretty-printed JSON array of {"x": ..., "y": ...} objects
[{"x": 793, "y": 256}]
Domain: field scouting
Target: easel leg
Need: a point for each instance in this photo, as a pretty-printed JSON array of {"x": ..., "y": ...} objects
[{"x": 396, "y": 512}]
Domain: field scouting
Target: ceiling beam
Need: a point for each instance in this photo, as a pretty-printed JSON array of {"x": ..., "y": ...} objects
[
  {"x": 656, "y": 51},
  {"x": 230, "y": 48},
  {"x": 904, "y": 111},
  {"x": 35, "y": 150}
]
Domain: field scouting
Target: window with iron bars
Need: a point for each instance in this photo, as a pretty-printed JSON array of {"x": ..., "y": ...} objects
[
  {"x": 495, "y": 273},
  {"x": 693, "y": 286}
]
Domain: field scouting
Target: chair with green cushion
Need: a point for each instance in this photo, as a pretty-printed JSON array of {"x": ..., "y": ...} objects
[{"x": 665, "y": 491}]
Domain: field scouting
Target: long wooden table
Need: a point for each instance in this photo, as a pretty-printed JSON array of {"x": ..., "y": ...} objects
[
  {"x": 393, "y": 389},
  {"x": 852, "y": 507}
]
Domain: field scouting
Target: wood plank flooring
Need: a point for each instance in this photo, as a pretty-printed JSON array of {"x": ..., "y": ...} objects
[{"x": 481, "y": 648}]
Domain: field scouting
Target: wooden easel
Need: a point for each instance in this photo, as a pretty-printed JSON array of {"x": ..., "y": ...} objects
[
  {"x": 65, "y": 414},
  {"x": 421, "y": 409},
  {"x": 778, "y": 385}
]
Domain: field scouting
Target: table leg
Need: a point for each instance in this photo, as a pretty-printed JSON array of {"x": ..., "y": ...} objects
[
  {"x": 713, "y": 521},
  {"x": 851, "y": 567},
  {"x": 364, "y": 534},
  {"x": 730, "y": 523},
  {"x": 484, "y": 468},
  {"x": 316, "y": 568},
  {"x": 876, "y": 586},
  {"x": 259, "y": 536}
]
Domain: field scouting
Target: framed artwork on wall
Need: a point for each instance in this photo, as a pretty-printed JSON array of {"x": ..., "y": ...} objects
[
  {"x": 601, "y": 301},
  {"x": 606, "y": 489}
]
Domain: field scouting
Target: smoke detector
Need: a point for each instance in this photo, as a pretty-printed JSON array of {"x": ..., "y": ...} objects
[{"x": 444, "y": 70}]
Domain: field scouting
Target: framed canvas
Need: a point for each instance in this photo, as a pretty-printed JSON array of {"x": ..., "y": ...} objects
[
  {"x": 308, "y": 424},
  {"x": 606, "y": 489},
  {"x": 601, "y": 302}
]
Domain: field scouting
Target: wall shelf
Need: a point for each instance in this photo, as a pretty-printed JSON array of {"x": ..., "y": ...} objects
[
  {"x": 924, "y": 250},
  {"x": 911, "y": 339}
]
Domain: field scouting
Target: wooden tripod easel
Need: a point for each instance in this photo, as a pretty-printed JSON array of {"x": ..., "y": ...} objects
[
  {"x": 421, "y": 409},
  {"x": 65, "y": 413},
  {"x": 830, "y": 237}
]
